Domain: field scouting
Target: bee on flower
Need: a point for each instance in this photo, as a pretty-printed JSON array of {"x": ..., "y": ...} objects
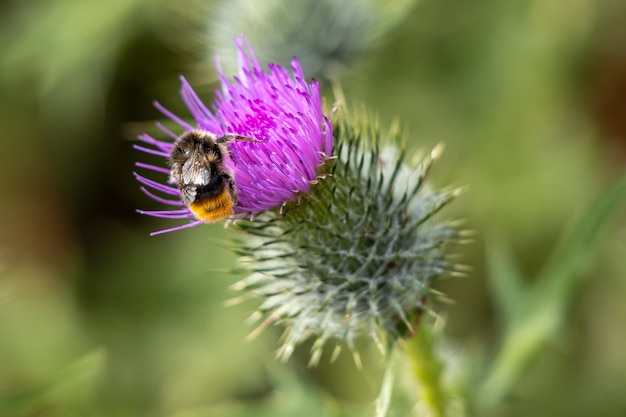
[{"x": 262, "y": 144}]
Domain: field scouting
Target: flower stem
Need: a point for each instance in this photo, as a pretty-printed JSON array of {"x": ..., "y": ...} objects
[{"x": 427, "y": 369}]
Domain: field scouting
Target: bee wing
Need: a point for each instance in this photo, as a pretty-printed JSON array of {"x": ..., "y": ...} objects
[
  {"x": 188, "y": 195},
  {"x": 195, "y": 171}
]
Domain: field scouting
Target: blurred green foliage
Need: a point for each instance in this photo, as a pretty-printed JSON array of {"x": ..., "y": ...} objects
[{"x": 99, "y": 319}]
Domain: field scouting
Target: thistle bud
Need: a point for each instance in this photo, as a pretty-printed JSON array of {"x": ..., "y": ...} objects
[{"x": 358, "y": 255}]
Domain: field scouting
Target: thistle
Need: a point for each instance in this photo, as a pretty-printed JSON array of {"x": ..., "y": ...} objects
[{"x": 343, "y": 240}]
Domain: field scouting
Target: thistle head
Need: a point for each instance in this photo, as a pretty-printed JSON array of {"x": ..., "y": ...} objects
[{"x": 281, "y": 111}]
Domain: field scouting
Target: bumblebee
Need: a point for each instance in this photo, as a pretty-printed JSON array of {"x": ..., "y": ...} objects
[{"x": 197, "y": 167}]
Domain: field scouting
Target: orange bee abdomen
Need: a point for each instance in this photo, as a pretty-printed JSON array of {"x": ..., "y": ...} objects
[{"x": 214, "y": 208}]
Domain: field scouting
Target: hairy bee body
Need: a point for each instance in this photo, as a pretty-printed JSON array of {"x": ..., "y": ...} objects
[
  {"x": 214, "y": 208},
  {"x": 197, "y": 167}
]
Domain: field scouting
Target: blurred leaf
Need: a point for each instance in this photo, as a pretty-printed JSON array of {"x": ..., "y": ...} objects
[
  {"x": 61, "y": 54},
  {"x": 71, "y": 389},
  {"x": 505, "y": 281},
  {"x": 540, "y": 315},
  {"x": 293, "y": 396},
  {"x": 63, "y": 38},
  {"x": 576, "y": 249}
]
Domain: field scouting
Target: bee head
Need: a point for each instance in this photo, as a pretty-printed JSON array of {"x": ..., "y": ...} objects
[{"x": 192, "y": 143}]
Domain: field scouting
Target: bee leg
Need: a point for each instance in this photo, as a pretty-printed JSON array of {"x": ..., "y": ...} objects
[
  {"x": 229, "y": 137},
  {"x": 231, "y": 189},
  {"x": 232, "y": 136}
]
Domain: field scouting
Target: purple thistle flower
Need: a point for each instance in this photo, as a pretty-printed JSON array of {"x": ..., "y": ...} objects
[{"x": 283, "y": 112}]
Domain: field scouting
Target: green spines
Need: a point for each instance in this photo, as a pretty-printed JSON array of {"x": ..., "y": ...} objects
[{"x": 357, "y": 256}]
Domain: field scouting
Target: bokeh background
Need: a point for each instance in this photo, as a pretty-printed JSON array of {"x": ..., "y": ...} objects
[{"x": 97, "y": 318}]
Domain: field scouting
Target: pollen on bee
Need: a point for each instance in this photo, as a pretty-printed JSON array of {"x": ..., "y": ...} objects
[{"x": 213, "y": 209}]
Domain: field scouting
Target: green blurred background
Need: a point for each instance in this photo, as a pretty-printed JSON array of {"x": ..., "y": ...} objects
[{"x": 99, "y": 319}]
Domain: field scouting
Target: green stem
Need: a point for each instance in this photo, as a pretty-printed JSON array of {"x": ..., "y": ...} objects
[{"x": 427, "y": 369}]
